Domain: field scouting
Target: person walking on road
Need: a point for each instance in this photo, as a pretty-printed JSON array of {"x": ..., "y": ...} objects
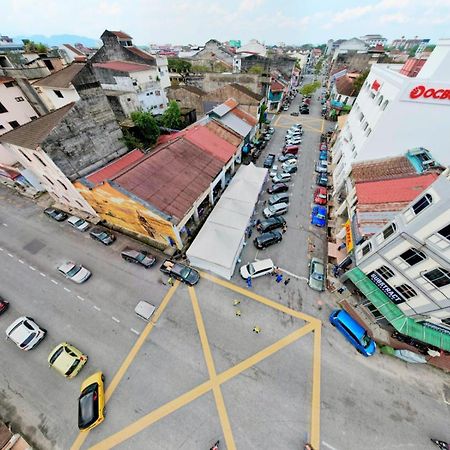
[{"x": 249, "y": 282}]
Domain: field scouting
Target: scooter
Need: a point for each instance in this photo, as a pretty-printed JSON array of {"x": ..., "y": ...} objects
[{"x": 441, "y": 444}]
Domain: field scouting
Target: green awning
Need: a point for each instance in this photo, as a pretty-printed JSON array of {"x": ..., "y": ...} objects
[{"x": 394, "y": 314}]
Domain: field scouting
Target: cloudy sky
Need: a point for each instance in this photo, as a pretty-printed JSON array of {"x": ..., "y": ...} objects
[{"x": 196, "y": 21}]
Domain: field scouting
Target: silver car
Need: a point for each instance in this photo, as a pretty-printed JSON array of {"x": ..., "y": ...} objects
[
  {"x": 316, "y": 279},
  {"x": 74, "y": 272},
  {"x": 276, "y": 210},
  {"x": 79, "y": 224},
  {"x": 25, "y": 333}
]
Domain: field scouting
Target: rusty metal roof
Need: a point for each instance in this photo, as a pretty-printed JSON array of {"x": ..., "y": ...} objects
[
  {"x": 172, "y": 178},
  {"x": 382, "y": 169},
  {"x": 224, "y": 132}
]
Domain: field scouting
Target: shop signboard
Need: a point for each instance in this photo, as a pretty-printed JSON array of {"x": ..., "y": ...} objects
[
  {"x": 348, "y": 237},
  {"x": 388, "y": 290}
]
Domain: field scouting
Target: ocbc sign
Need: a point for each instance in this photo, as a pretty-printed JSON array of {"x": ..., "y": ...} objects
[{"x": 422, "y": 91}]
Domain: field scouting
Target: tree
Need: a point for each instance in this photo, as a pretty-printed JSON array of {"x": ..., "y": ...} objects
[
  {"x": 147, "y": 130},
  {"x": 179, "y": 65},
  {"x": 34, "y": 47},
  {"x": 262, "y": 115},
  {"x": 357, "y": 84},
  {"x": 171, "y": 117},
  {"x": 308, "y": 89},
  {"x": 256, "y": 69}
]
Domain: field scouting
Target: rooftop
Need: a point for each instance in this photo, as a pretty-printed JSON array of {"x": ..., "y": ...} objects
[
  {"x": 141, "y": 53},
  {"x": 383, "y": 169},
  {"x": 74, "y": 50},
  {"x": 344, "y": 85},
  {"x": 224, "y": 132},
  {"x": 247, "y": 91},
  {"x": 121, "y": 35},
  {"x": 123, "y": 66},
  {"x": 276, "y": 86},
  {"x": 62, "y": 78},
  {"x": 193, "y": 89}
]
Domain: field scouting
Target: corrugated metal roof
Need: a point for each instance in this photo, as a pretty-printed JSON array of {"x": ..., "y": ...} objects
[
  {"x": 220, "y": 130},
  {"x": 246, "y": 117},
  {"x": 221, "y": 110},
  {"x": 123, "y": 66},
  {"x": 62, "y": 78},
  {"x": 236, "y": 124},
  {"x": 115, "y": 167},
  {"x": 121, "y": 35},
  {"x": 382, "y": 169},
  {"x": 141, "y": 53},
  {"x": 172, "y": 178}
]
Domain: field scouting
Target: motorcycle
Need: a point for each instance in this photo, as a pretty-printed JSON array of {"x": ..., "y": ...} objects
[{"x": 441, "y": 444}]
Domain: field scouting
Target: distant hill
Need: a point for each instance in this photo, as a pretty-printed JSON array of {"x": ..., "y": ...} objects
[{"x": 59, "y": 39}]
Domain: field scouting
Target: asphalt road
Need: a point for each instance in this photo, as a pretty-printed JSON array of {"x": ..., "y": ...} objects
[{"x": 373, "y": 403}]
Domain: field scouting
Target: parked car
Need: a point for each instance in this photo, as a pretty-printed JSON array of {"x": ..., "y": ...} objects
[
  {"x": 180, "y": 272},
  {"x": 74, "y": 272},
  {"x": 285, "y": 108},
  {"x": 267, "y": 239},
  {"x": 320, "y": 196},
  {"x": 25, "y": 333},
  {"x": 294, "y": 113},
  {"x": 257, "y": 269},
  {"x": 287, "y": 156},
  {"x": 293, "y": 141},
  {"x": 281, "y": 178},
  {"x": 271, "y": 224},
  {"x": 4, "y": 305},
  {"x": 322, "y": 179},
  {"x": 279, "y": 198},
  {"x": 276, "y": 210},
  {"x": 290, "y": 169},
  {"x": 292, "y": 149},
  {"x": 319, "y": 216},
  {"x": 91, "y": 403},
  {"x": 316, "y": 279},
  {"x": 323, "y": 156},
  {"x": 67, "y": 360},
  {"x": 271, "y": 130},
  {"x": 56, "y": 214},
  {"x": 273, "y": 171},
  {"x": 267, "y": 137},
  {"x": 322, "y": 167},
  {"x": 304, "y": 111},
  {"x": 79, "y": 224},
  {"x": 323, "y": 147},
  {"x": 289, "y": 163},
  {"x": 353, "y": 332},
  {"x": 277, "y": 188},
  {"x": 103, "y": 236},
  {"x": 270, "y": 158},
  {"x": 141, "y": 257}
]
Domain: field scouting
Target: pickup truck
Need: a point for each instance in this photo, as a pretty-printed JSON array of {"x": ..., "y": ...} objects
[{"x": 180, "y": 272}]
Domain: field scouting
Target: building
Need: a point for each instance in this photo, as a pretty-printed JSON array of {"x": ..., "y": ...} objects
[
  {"x": 343, "y": 91},
  {"x": 69, "y": 54},
  {"x": 253, "y": 47},
  {"x": 372, "y": 40},
  {"x": 412, "y": 67},
  {"x": 350, "y": 45},
  {"x": 275, "y": 96},
  {"x": 408, "y": 44},
  {"x": 188, "y": 97},
  {"x": 388, "y": 96},
  {"x": 215, "y": 56},
  {"x": 409, "y": 262}
]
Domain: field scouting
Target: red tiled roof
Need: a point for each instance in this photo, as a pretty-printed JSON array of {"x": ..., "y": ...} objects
[
  {"x": 246, "y": 117},
  {"x": 172, "y": 178},
  {"x": 6, "y": 79},
  {"x": 121, "y": 35},
  {"x": 123, "y": 66},
  {"x": 231, "y": 102},
  {"x": 115, "y": 167},
  {"x": 276, "y": 86},
  {"x": 164, "y": 138},
  {"x": 344, "y": 85},
  {"x": 141, "y": 53},
  {"x": 210, "y": 142},
  {"x": 395, "y": 190}
]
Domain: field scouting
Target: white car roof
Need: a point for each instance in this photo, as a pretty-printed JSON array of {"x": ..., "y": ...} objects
[
  {"x": 262, "y": 264},
  {"x": 66, "y": 266},
  {"x": 20, "y": 333},
  {"x": 73, "y": 219}
]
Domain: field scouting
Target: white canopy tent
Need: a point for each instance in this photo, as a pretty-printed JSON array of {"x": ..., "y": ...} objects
[{"x": 219, "y": 243}]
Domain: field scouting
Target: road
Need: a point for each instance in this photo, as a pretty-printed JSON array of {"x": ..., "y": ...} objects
[{"x": 155, "y": 402}]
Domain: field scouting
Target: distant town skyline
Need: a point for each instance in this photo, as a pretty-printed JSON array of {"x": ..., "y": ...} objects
[{"x": 196, "y": 21}]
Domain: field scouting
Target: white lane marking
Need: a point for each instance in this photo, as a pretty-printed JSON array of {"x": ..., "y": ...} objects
[
  {"x": 67, "y": 289},
  {"x": 31, "y": 267},
  {"x": 80, "y": 298},
  {"x": 328, "y": 445},
  {"x": 54, "y": 282},
  {"x": 134, "y": 331},
  {"x": 11, "y": 256},
  {"x": 42, "y": 274},
  {"x": 21, "y": 262},
  {"x": 115, "y": 319},
  {"x": 97, "y": 308}
]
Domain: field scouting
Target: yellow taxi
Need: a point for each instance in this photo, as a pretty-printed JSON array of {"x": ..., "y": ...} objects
[
  {"x": 67, "y": 360},
  {"x": 91, "y": 403}
]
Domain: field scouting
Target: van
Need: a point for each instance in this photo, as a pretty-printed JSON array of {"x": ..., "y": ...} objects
[
  {"x": 291, "y": 149},
  {"x": 276, "y": 210},
  {"x": 279, "y": 198},
  {"x": 257, "y": 269}
]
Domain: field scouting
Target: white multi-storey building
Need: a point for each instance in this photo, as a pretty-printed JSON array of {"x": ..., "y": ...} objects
[
  {"x": 394, "y": 113},
  {"x": 409, "y": 260}
]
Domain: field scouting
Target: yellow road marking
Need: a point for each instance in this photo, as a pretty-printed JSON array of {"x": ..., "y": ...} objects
[
  {"x": 152, "y": 417},
  {"x": 130, "y": 357},
  {"x": 226, "y": 428},
  {"x": 315, "y": 398},
  {"x": 261, "y": 299}
]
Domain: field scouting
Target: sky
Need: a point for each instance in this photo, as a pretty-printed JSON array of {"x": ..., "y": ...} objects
[{"x": 196, "y": 21}]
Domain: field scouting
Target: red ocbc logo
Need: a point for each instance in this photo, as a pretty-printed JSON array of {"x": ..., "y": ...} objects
[{"x": 422, "y": 91}]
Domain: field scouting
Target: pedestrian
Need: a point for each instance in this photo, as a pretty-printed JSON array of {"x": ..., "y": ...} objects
[
  {"x": 170, "y": 281},
  {"x": 256, "y": 329},
  {"x": 341, "y": 289},
  {"x": 236, "y": 302},
  {"x": 249, "y": 233},
  {"x": 257, "y": 222},
  {"x": 279, "y": 278},
  {"x": 286, "y": 281},
  {"x": 284, "y": 228},
  {"x": 238, "y": 313},
  {"x": 249, "y": 282}
]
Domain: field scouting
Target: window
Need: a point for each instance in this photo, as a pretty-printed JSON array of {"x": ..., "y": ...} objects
[
  {"x": 385, "y": 272},
  {"x": 9, "y": 84},
  {"x": 413, "y": 256},
  {"x": 76, "y": 201},
  {"x": 128, "y": 99},
  {"x": 439, "y": 277},
  {"x": 380, "y": 100},
  {"x": 366, "y": 249},
  {"x": 25, "y": 155},
  {"x": 445, "y": 232},
  {"x": 406, "y": 291},
  {"x": 58, "y": 93},
  {"x": 365, "y": 125},
  {"x": 40, "y": 160},
  {"x": 158, "y": 93},
  {"x": 48, "y": 179},
  {"x": 161, "y": 105},
  {"x": 2, "y": 108},
  {"x": 384, "y": 105},
  {"x": 14, "y": 124},
  {"x": 66, "y": 199},
  {"x": 62, "y": 184},
  {"x": 361, "y": 117},
  {"x": 369, "y": 130},
  {"x": 19, "y": 99},
  {"x": 33, "y": 117},
  {"x": 389, "y": 231},
  {"x": 422, "y": 203},
  {"x": 2, "y": 127}
]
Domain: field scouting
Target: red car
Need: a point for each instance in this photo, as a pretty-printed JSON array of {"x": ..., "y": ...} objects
[
  {"x": 320, "y": 196},
  {"x": 323, "y": 147},
  {"x": 3, "y": 305}
]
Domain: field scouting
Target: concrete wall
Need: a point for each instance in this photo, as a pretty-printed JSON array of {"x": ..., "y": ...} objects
[
  {"x": 187, "y": 99},
  {"x": 52, "y": 101}
]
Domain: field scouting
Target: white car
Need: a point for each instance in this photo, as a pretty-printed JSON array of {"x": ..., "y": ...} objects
[
  {"x": 74, "y": 272},
  {"x": 281, "y": 178},
  {"x": 275, "y": 210},
  {"x": 287, "y": 165},
  {"x": 273, "y": 171},
  {"x": 25, "y": 333},
  {"x": 257, "y": 269},
  {"x": 79, "y": 224}
]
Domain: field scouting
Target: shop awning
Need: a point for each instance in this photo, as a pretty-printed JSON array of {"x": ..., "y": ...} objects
[{"x": 394, "y": 314}]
